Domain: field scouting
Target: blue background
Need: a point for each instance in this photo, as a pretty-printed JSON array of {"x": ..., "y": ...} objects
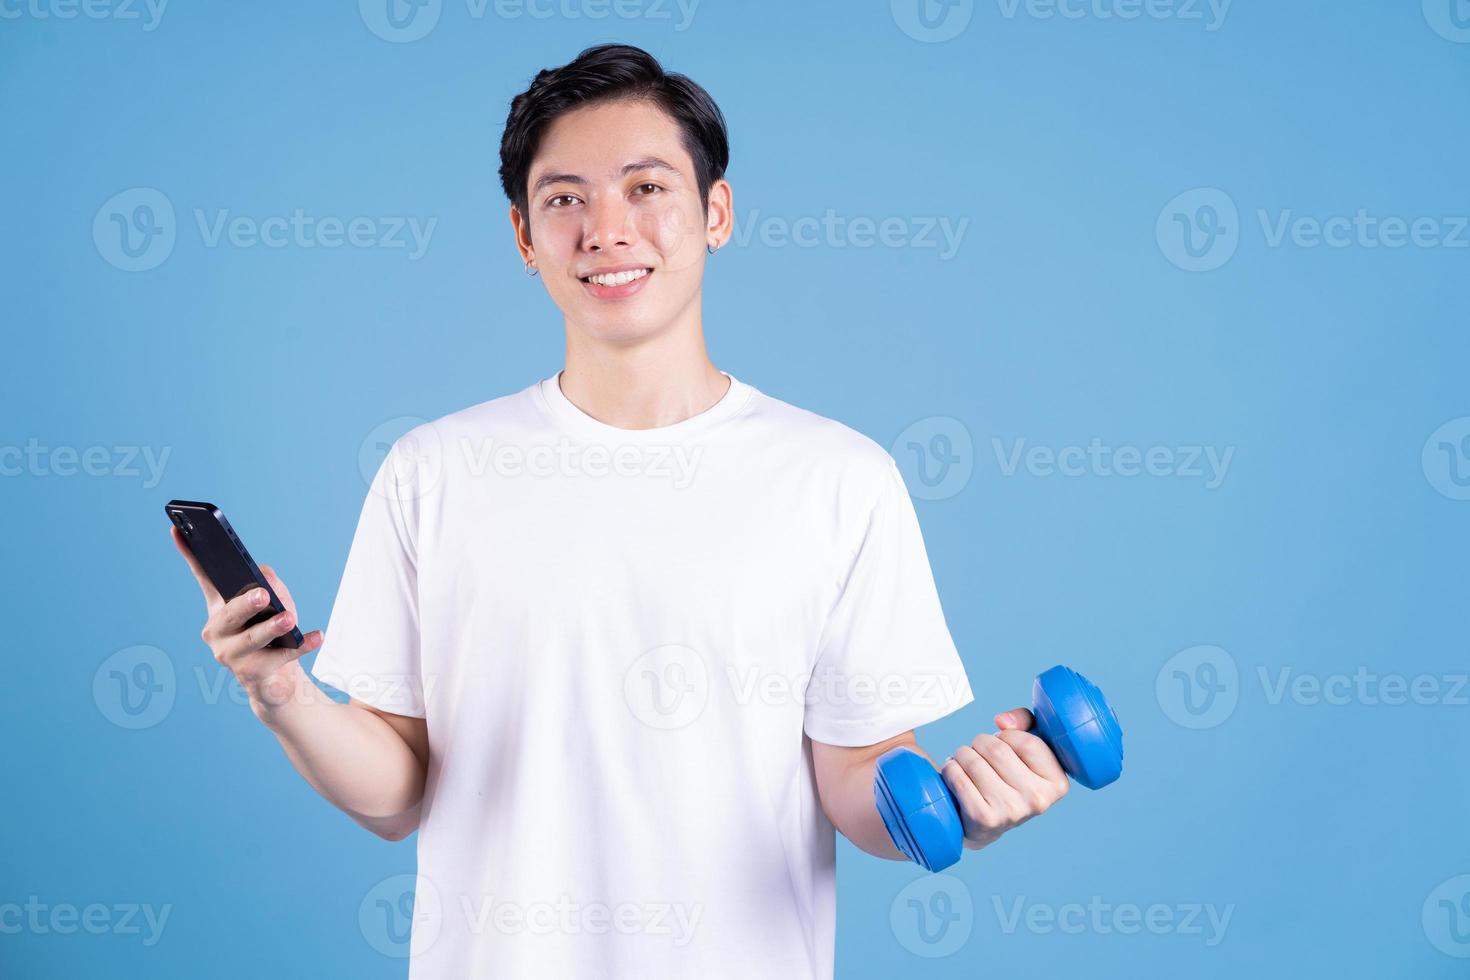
[{"x": 1329, "y": 547}]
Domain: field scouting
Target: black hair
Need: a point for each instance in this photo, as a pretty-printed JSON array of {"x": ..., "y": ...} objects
[{"x": 612, "y": 73}]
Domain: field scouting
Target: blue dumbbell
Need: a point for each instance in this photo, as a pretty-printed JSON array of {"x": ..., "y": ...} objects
[{"x": 1072, "y": 717}]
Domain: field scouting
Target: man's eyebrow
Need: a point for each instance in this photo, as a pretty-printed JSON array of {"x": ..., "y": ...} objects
[{"x": 647, "y": 163}]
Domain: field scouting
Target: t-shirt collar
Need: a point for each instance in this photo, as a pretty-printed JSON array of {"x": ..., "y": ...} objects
[{"x": 573, "y": 419}]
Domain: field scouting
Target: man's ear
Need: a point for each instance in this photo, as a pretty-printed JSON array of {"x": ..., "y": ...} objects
[
  {"x": 523, "y": 235},
  {"x": 720, "y": 215}
]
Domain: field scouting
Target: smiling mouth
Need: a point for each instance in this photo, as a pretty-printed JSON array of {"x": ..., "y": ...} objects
[{"x": 618, "y": 278}]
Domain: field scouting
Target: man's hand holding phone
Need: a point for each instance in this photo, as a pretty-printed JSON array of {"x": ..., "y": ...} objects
[
  {"x": 370, "y": 764},
  {"x": 271, "y": 676}
]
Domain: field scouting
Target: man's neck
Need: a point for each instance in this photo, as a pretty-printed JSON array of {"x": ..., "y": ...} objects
[{"x": 659, "y": 382}]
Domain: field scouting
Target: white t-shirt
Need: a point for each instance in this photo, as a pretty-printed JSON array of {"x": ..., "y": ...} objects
[{"x": 619, "y": 639}]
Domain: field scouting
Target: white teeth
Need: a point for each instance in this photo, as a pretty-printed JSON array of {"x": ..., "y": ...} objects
[{"x": 618, "y": 278}]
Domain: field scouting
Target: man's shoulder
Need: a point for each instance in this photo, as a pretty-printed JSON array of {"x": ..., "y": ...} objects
[
  {"x": 512, "y": 411},
  {"x": 466, "y": 433},
  {"x": 819, "y": 442}
]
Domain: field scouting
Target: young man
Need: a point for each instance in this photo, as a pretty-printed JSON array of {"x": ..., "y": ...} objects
[{"x": 624, "y": 646}]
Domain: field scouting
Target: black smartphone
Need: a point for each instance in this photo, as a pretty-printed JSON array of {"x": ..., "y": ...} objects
[{"x": 225, "y": 560}]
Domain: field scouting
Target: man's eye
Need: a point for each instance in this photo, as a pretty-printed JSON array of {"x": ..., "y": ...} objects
[
  {"x": 560, "y": 197},
  {"x": 646, "y": 186}
]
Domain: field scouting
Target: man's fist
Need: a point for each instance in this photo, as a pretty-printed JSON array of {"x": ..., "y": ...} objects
[
  {"x": 269, "y": 675},
  {"x": 1000, "y": 781}
]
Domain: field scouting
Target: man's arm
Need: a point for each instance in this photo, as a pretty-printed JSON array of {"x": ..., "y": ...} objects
[
  {"x": 999, "y": 782},
  {"x": 845, "y": 785},
  {"x": 368, "y": 763}
]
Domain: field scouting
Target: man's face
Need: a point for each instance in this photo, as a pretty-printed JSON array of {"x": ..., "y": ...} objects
[{"x": 612, "y": 190}]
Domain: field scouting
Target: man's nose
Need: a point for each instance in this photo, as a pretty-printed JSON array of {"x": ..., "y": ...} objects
[{"x": 610, "y": 225}]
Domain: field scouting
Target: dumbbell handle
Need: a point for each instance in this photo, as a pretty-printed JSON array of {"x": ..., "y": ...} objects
[{"x": 1072, "y": 718}]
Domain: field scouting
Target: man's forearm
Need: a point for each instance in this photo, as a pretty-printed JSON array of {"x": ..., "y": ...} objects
[
  {"x": 352, "y": 757},
  {"x": 848, "y": 800}
]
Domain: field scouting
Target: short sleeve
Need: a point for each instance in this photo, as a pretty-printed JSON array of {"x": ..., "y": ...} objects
[
  {"x": 886, "y": 662},
  {"x": 371, "y": 651}
]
